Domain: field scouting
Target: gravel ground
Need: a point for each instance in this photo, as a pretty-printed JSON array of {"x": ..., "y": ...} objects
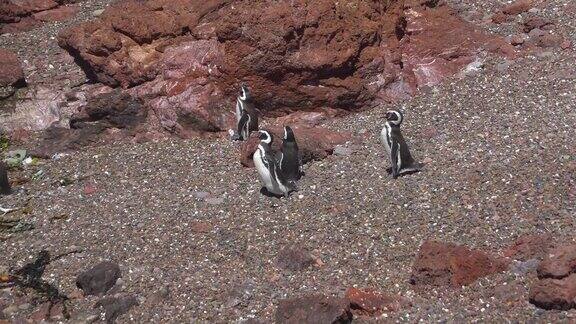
[{"x": 501, "y": 162}]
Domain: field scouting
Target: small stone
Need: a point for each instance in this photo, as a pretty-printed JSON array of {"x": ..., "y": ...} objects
[
  {"x": 517, "y": 39},
  {"x": 503, "y": 66},
  {"x": 341, "y": 150},
  {"x": 97, "y": 12},
  {"x": 295, "y": 258},
  {"x": 201, "y": 194},
  {"x": 24, "y": 307},
  {"x": 427, "y": 160},
  {"x": 523, "y": 267},
  {"x": 536, "y": 32},
  {"x": 214, "y": 201},
  {"x": 566, "y": 45},
  {"x": 10, "y": 310},
  {"x": 313, "y": 309}
]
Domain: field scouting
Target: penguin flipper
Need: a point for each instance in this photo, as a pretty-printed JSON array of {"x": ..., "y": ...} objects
[
  {"x": 242, "y": 123},
  {"x": 394, "y": 159}
]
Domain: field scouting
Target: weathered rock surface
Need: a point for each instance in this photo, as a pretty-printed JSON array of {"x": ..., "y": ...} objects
[
  {"x": 11, "y": 73},
  {"x": 529, "y": 247},
  {"x": 445, "y": 264},
  {"x": 116, "y": 306},
  {"x": 98, "y": 279},
  {"x": 19, "y": 15},
  {"x": 314, "y": 143},
  {"x": 314, "y": 309},
  {"x": 373, "y": 303},
  {"x": 559, "y": 263},
  {"x": 554, "y": 293}
]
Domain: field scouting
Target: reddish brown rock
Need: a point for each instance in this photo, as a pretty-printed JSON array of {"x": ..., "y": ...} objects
[
  {"x": 500, "y": 18},
  {"x": 314, "y": 143},
  {"x": 23, "y": 15},
  {"x": 445, "y": 264},
  {"x": 313, "y": 309},
  {"x": 57, "y": 14},
  {"x": 554, "y": 293},
  {"x": 559, "y": 263},
  {"x": 11, "y": 74},
  {"x": 434, "y": 50},
  {"x": 373, "y": 303},
  {"x": 518, "y": 7},
  {"x": 528, "y": 247},
  {"x": 535, "y": 22}
]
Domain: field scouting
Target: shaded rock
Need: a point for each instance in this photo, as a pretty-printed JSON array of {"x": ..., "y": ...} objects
[
  {"x": 518, "y": 7},
  {"x": 372, "y": 303},
  {"x": 500, "y": 18},
  {"x": 57, "y": 14},
  {"x": 307, "y": 118},
  {"x": 445, "y": 264},
  {"x": 295, "y": 258},
  {"x": 5, "y": 188},
  {"x": 554, "y": 293},
  {"x": 313, "y": 309},
  {"x": 99, "y": 279},
  {"x": 114, "y": 109},
  {"x": 535, "y": 22},
  {"x": 549, "y": 40},
  {"x": 11, "y": 73},
  {"x": 559, "y": 263},
  {"x": 314, "y": 143},
  {"x": 116, "y": 306},
  {"x": 528, "y": 247}
]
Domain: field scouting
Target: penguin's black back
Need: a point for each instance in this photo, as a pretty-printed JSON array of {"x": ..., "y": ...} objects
[
  {"x": 4, "y": 183},
  {"x": 290, "y": 161},
  {"x": 407, "y": 159}
]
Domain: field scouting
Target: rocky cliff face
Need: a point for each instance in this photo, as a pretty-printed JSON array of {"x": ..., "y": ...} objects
[{"x": 185, "y": 59}]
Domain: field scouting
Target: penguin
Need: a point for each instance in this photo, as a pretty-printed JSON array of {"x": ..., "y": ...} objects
[
  {"x": 268, "y": 168},
  {"x": 400, "y": 159},
  {"x": 4, "y": 183},
  {"x": 290, "y": 159},
  {"x": 246, "y": 117}
]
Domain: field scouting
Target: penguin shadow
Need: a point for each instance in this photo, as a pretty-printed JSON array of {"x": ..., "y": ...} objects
[{"x": 264, "y": 191}]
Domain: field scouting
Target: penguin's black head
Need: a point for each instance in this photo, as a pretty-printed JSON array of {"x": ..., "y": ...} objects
[
  {"x": 289, "y": 134},
  {"x": 244, "y": 92},
  {"x": 265, "y": 136},
  {"x": 394, "y": 117}
]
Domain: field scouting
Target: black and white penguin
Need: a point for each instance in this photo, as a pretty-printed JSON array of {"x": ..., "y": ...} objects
[
  {"x": 246, "y": 117},
  {"x": 400, "y": 159},
  {"x": 268, "y": 168},
  {"x": 289, "y": 159},
  {"x": 4, "y": 183}
]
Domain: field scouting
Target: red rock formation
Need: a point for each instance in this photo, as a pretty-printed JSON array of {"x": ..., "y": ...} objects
[
  {"x": 18, "y": 15},
  {"x": 295, "y": 55},
  {"x": 445, "y": 264}
]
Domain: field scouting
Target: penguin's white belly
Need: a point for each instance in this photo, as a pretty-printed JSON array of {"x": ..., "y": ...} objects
[
  {"x": 384, "y": 137},
  {"x": 238, "y": 111},
  {"x": 263, "y": 171}
]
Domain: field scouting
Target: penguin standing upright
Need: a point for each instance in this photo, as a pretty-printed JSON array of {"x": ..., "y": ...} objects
[
  {"x": 246, "y": 117},
  {"x": 400, "y": 159},
  {"x": 268, "y": 168},
  {"x": 290, "y": 160},
  {"x": 4, "y": 183}
]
